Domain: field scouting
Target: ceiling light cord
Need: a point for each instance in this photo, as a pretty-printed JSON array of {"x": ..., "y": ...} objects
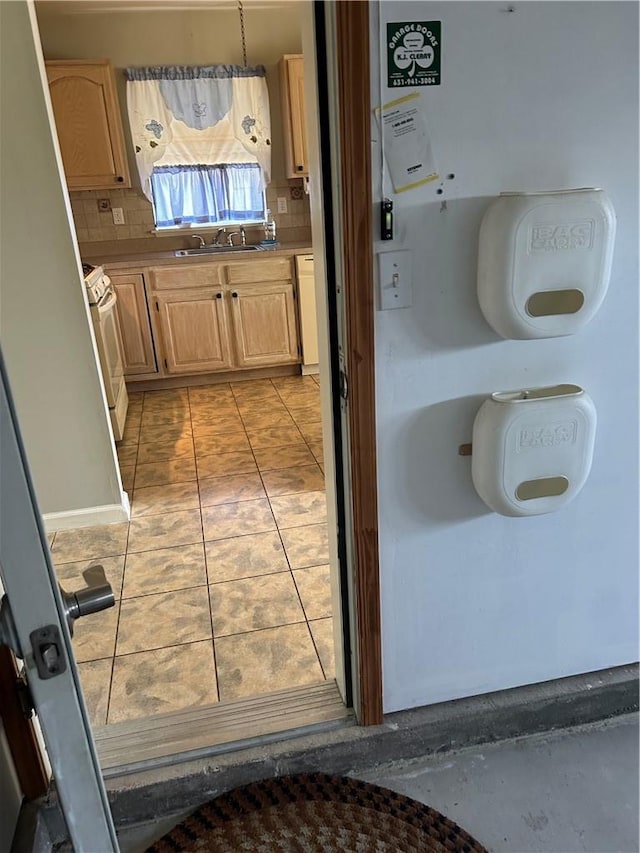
[{"x": 242, "y": 35}]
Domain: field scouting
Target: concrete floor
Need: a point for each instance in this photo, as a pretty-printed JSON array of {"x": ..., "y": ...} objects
[
  {"x": 574, "y": 790},
  {"x": 571, "y": 791}
]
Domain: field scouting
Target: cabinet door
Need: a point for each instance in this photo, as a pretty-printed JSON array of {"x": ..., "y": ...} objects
[
  {"x": 88, "y": 124},
  {"x": 135, "y": 331},
  {"x": 264, "y": 324},
  {"x": 295, "y": 130},
  {"x": 194, "y": 330}
]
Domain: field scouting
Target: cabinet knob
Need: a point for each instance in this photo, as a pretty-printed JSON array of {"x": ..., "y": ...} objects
[
  {"x": 300, "y": 168},
  {"x": 218, "y": 296},
  {"x": 120, "y": 179},
  {"x": 235, "y": 295}
]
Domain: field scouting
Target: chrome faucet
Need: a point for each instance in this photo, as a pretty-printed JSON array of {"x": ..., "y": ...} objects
[
  {"x": 198, "y": 237},
  {"x": 216, "y": 239},
  {"x": 243, "y": 237}
]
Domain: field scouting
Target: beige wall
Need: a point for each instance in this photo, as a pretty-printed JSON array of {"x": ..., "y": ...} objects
[
  {"x": 191, "y": 37},
  {"x": 44, "y": 326}
]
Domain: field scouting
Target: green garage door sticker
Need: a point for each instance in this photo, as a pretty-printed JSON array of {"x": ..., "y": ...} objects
[{"x": 413, "y": 54}]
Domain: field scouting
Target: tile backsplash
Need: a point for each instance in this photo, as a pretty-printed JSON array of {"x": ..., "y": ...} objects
[{"x": 96, "y": 226}]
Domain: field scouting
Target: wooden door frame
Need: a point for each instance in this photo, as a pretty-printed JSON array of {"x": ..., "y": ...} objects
[
  {"x": 20, "y": 732},
  {"x": 356, "y": 216}
]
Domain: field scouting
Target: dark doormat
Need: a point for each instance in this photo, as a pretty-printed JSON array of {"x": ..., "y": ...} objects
[{"x": 319, "y": 814}]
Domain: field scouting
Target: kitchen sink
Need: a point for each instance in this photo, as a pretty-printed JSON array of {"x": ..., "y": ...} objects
[{"x": 216, "y": 250}]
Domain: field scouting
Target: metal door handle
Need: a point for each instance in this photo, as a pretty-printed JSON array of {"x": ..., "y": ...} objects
[
  {"x": 97, "y": 595},
  {"x": 46, "y": 644}
]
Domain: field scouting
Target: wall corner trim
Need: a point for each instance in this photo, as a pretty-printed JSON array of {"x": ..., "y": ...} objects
[{"x": 88, "y": 517}]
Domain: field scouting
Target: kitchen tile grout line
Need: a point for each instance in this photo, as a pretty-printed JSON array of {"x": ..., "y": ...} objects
[
  {"x": 191, "y": 424},
  {"x": 208, "y": 582},
  {"x": 313, "y": 640},
  {"x": 196, "y": 541},
  {"x": 111, "y": 658},
  {"x": 124, "y": 568},
  {"x": 300, "y": 431},
  {"x": 252, "y": 450},
  {"x": 105, "y": 556},
  {"x": 144, "y": 397},
  {"x": 206, "y": 640},
  {"x": 284, "y": 548},
  {"x": 292, "y": 573},
  {"x": 204, "y": 549},
  {"x": 202, "y": 531},
  {"x": 115, "y": 639}
]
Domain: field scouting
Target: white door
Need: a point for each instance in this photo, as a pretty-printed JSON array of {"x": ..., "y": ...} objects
[{"x": 34, "y": 623}]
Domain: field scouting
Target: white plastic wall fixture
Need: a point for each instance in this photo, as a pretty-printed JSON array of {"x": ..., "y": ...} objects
[
  {"x": 532, "y": 449},
  {"x": 544, "y": 261}
]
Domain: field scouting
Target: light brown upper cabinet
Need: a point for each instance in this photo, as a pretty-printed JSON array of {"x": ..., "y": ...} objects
[
  {"x": 88, "y": 124},
  {"x": 295, "y": 131}
]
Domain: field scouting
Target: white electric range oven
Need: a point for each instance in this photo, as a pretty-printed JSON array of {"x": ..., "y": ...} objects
[{"x": 102, "y": 301}]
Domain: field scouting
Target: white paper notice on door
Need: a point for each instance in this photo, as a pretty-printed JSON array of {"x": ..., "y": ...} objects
[{"x": 406, "y": 143}]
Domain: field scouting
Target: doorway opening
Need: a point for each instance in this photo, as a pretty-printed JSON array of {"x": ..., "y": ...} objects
[{"x": 226, "y": 577}]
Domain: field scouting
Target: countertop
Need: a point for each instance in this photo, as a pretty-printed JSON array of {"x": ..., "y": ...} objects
[{"x": 147, "y": 259}]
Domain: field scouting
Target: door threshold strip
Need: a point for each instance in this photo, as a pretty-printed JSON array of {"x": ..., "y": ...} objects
[{"x": 197, "y": 732}]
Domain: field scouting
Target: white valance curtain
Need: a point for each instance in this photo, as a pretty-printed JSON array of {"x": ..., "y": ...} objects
[{"x": 199, "y": 116}]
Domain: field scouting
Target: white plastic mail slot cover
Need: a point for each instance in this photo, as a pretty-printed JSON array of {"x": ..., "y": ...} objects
[
  {"x": 532, "y": 449},
  {"x": 544, "y": 261}
]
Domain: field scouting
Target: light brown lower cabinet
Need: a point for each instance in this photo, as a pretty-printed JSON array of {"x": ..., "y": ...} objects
[
  {"x": 194, "y": 329},
  {"x": 264, "y": 323},
  {"x": 208, "y": 317},
  {"x": 133, "y": 319}
]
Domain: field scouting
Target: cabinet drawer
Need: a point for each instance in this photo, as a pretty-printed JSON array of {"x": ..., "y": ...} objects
[
  {"x": 188, "y": 276},
  {"x": 265, "y": 269}
]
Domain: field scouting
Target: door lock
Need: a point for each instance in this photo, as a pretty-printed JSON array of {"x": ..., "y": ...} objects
[
  {"x": 48, "y": 651},
  {"x": 46, "y": 643}
]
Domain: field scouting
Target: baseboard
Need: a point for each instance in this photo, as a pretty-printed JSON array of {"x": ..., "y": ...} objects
[
  {"x": 88, "y": 517},
  {"x": 192, "y": 380},
  {"x": 308, "y": 369}
]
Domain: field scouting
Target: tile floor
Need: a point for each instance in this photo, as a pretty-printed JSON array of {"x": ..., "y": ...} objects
[{"x": 222, "y": 576}]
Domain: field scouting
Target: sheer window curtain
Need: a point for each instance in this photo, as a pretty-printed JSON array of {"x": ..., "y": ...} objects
[{"x": 207, "y": 194}]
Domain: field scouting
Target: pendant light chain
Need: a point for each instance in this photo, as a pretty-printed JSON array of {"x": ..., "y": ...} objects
[{"x": 244, "y": 41}]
